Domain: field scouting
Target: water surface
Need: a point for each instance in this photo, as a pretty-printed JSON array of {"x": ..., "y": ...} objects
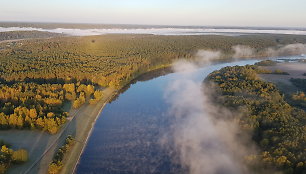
[{"x": 125, "y": 138}]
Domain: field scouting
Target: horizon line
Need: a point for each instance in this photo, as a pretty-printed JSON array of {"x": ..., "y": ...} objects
[{"x": 159, "y": 25}]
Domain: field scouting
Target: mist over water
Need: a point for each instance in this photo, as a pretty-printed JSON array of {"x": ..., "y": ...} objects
[
  {"x": 205, "y": 138},
  {"x": 243, "y": 51},
  {"x": 169, "y": 125},
  {"x": 202, "y": 137},
  {"x": 291, "y": 49}
]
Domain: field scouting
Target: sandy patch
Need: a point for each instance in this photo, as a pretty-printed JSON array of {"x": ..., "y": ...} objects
[{"x": 295, "y": 70}]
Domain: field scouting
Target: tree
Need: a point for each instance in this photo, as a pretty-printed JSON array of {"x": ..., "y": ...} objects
[
  {"x": 20, "y": 121},
  {"x": 89, "y": 90},
  {"x": 33, "y": 113},
  {"x": 13, "y": 120},
  {"x": 79, "y": 101},
  {"x": 81, "y": 88},
  {"x": 98, "y": 94},
  {"x": 54, "y": 168},
  {"x": 69, "y": 87},
  {"x": 3, "y": 120},
  {"x": 52, "y": 126},
  {"x": 40, "y": 122},
  {"x": 4, "y": 149},
  {"x": 50, "y": 115}
]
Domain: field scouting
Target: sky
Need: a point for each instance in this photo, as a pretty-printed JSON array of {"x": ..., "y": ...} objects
[{"x": 269, "y": 13}]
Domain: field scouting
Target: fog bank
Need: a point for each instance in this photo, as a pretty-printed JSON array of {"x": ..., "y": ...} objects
[
  {"x": 159, "y": 31},
  {"x": 202, "y": 138},
  {"x": 243, "y": 51}
]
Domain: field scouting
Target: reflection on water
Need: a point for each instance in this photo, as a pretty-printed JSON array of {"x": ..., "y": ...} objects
[
  {"x": 125, "y": 139},
  {"x": 144, "y": 77}
]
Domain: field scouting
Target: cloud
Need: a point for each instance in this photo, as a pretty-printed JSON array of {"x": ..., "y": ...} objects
[
  {"x": 242, "y": 51},
  {"x": 291, "y": 49},
  {"x": 204, "y": 57}
]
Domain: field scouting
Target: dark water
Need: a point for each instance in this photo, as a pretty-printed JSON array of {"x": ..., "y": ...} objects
[{"x": 125, "y": 138}]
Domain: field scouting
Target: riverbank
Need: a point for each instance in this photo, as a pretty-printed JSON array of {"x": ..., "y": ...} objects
[
  {"x": 84, "y": 123},
  {"x": 72, "y": 158},
  {"x": 126, "y": 138},
  {"x": 42, "y": 145},
  {"x": 80, "y": 126}
]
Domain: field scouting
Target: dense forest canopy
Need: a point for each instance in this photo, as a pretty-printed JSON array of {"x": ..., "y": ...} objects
[
  {"x": 113, "y": 60},
  {"x": 39, "y": 76},
  {"x": 17, "y": 35},
  {"x": 40, "y": 106},
  {"x": 277, "y": 127}
]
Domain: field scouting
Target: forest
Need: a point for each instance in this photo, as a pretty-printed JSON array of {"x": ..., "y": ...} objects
[
  {"x": 41, "y": 78},
  {"x": 38, "y": 77},
  {"x": 113, "y": 60},
  {"x": 40, "y": 106},
  {"x": 277, "y": 127},
  {"x": 17, "y": 35}
]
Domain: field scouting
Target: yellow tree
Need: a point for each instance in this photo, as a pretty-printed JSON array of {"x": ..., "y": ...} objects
[
  {"x": 52, "y": 127},
  {"x": 50, "y": 115},
  {"x": 32, "y": 113},
  {"x": 40, "y": 122},
  {"x": 89, "y": 90},
  {"x": 5, "y": 150},
  {"x": 3, "y": 120},
  {"x": 20, "y": 121},
  {"x": 13, "y": 120}
]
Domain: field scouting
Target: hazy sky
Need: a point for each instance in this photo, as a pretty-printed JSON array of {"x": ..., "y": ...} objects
[{"x": 166, "y": 12}]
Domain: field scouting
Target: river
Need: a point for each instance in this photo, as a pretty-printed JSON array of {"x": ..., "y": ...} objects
[{"x": 125, "y": 138}]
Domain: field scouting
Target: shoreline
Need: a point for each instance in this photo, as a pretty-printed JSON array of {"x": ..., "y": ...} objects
[
  {"x": 115, "y": 94},
  {"x": 84, "y": 125},
  {"x": 70, "y": 162},
  {"x": 81, "y": 127},
  {"x": 91, "y": 129}
]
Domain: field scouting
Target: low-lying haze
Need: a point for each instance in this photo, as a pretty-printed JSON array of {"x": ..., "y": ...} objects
[
  {"x": 159, "y": 31},
  {"x": 203, "y": 137}
]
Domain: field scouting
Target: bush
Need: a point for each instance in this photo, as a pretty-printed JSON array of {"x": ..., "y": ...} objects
[
  {"x": 266, "y": 63},
  {"x": 280, "y": 72},
  {"x": 57, "y": 162},
  {"x": 9, "y": 156}
]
